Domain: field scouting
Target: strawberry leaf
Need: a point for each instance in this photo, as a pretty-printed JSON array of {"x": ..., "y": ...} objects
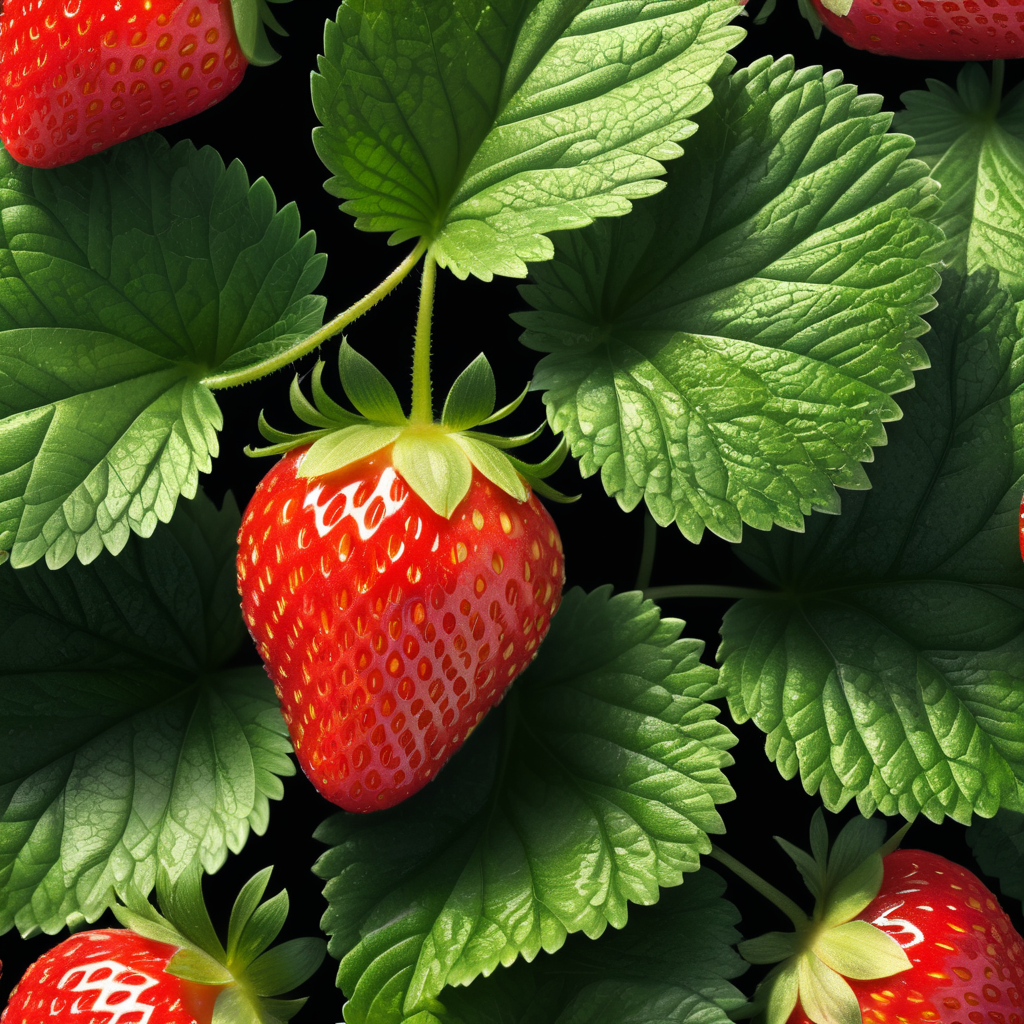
[
  {"x": 128, "y": 278},
  {"x": 998, "y": 844},
  {"x": 727, "y": 353},
  {"x": 890, "y": 666},
  {"x": 976, "y": 152},
  {"x": 130, "y": 744},
  {"x": 602, "y": 791},
  {"x": 484, "y": 125}
]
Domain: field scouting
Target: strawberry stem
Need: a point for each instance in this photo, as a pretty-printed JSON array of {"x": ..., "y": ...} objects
[
  {"x": 708, "y": 590},
  {"x": 422, "y": 411},
  {"x": 342, "y": 320},
  {"x": 766, "y": 889}
]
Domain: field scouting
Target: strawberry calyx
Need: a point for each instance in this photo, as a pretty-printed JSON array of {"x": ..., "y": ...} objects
[
  {"x": 436, "y": 459},
  {"x": 252, "y": 18},
  {"x": 247, "y": 971},
  {"x": 828, "y": 946}
]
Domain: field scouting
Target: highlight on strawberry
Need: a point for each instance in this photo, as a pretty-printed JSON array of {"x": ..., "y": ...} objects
[
  {"x": 77, "y": 78},
  {"x": 169, "y": 966},
  {"x": 396, "y": 575},
  {"x": 895, "y": 936}
]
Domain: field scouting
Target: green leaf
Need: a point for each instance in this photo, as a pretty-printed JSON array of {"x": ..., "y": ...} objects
[
  {"x": 493, "y": 464},
  {"x": 127, "y": 742},
  {"x": 602, "y": 790},
  {"x": 286, "y": 966},
  {"x": 977, "y": 154},
  {"x": 890, "y": 667},
  {"x": 341, "y": 447},
  {"x": 435, "y": 467},
  {"x": 857, "y": 949},
  {"x": 471, "y": 399},
  {"x": 125, "y": 279},
  {"x": 998, "y": 845},
  {"x": 195, "y": 965},
  {"x": 368, "y": 389},
  {"x": 727, "y": 352},
  {"x": 826, "y": 997},
  {"x": 245, "y": 905},
  {"x": 483, "y": 125}
]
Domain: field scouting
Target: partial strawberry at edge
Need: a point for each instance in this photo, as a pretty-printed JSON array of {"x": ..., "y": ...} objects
[
  {"x": 960, "y": 30},
  {"x": 389, "y": 630}
]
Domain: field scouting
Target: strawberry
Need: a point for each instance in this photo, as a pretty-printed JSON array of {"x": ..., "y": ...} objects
[
  {"x": 171, "y": 969},
  {"x": 76, "y": 78},
  {"x": 896, "y": 937},
  {"x": 393, "y": 611},
  {"x": 928, "y": 29}
]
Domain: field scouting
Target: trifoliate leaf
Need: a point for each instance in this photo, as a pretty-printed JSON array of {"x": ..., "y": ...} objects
[
  {"x": 976, "y": 151},
  {"x": 890, "y": 667},
  {"x": 483, "y": 125},
  {"x": 998, "y": 845},
  {"x": 600, "y": 789},
  {"x": 727, "y": 353},
  {"x": 128, "y": 278},
  {"x": 126, "y": 742}
]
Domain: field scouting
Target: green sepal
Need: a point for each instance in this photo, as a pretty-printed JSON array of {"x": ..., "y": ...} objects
[
  {"x": 493, "y": 464},
  {"x": 246, "y": 902},
  {"x": 767, "y": 9},
  {"x": 826, "y": 997},
  {"x": 770, "y": 948},
  {"x": 841, "y": 8},
  {"x": 263, "y": 926},
  {"x": 515, "y": 441},
  {"x": 812, "y": 17},
  {"x": 252, "y": 18},
  {"x": 195, "y": 965},
  {"x": 338, "y": 448},
  {"x": 281, "y": 1009},
  {"x": 471, "y": 398},
  {"x": 435, "y": 467},
  {"x": 337, "y": 414},
  {"x": 506, "y": 410},
  {"x": 182, "y": 904},
  {"x": 306, "y": 410},
  {"x": 287, "y": 965},
  {"x": 368, "y": 389},
  {"x": 857, "y": 949}
]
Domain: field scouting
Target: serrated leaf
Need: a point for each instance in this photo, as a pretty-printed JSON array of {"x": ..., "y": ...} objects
[
  {"x": 892, "y": 671},
  {"x": 484, "y": 125},
  {"x": 607, "y": 791},
  {"x": 977, "y": 154},
  {"x": 127, "y": 278},
  {"x": 998, "y": 845},
  {"x": 126, "y": 742},
  {"x": 727, "y": 353}
]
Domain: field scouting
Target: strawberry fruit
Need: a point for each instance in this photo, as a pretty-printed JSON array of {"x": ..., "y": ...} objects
[
  {"x": 77, "y": 77},
  {"x": 392, "y": 610}
]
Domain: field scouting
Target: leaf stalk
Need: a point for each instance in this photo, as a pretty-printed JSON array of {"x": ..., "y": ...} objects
[
  {"x": 357, "y": 309},
  {"x": 766, "y": 889}
]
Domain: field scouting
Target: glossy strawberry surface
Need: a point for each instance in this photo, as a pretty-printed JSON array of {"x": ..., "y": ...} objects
[
  {"x": 389, "y": 631},
  {"x": 77, "y": 76},
  {"x": 110, "y": 976},
  {"x": 968, "y": 960},
  {"x": 932, "y": 29}
]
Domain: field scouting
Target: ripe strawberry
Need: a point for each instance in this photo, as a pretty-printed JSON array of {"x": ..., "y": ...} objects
[
  {"x": 396, "y": 575},
  {"x": 928, "y": 29},
  {"x": 76, "y": 78},
  {"x": 896, "y": 937},
  {"x": 390, "y": 630},
  {"x": 171, "y": 968}
]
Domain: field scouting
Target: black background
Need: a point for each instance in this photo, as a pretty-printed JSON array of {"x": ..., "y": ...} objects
[{"x": 267, "y": 124}]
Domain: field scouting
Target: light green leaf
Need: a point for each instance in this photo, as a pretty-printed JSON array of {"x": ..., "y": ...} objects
[
  {"x": 606, "y": 791},
  {"x": 890, "y": 667},
  {"x": 341, "y": 447},
  {"x": 125, "y": 279},
  {"x": 998, "y": 845},
  {"x": 770, "y": 948},
  {"x": 195, "y": 965},
  {"x": 435, "y": 467},
  {"x": 483, "y": 125},
  {"x": 977, "y": 154},
  {"x": 727, "y": 353},
  {"x": 859, "y": 950},
  {"x": 825, "y": 996},
  {"x": 126, "y": 742}
]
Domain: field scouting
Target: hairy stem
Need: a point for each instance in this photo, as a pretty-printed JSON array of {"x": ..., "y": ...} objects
[
  {"x": 708, "y": 590},
  {"x": 422, "y": 411},
  {"x": 768, "y": 891},
  {"x": 643, "y": 575},
  {"x": 342, "y": 320}
]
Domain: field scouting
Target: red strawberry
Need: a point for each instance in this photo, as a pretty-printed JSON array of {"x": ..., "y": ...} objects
[
  {"x": 108, "y": 977},
  {"x": 390, "y": 630},
  {"x": 967, "y": 960},
  {"x": 171, "y": 969},
  {"x": 77, "y": 77},
  {"x": 930, "y": 29}
]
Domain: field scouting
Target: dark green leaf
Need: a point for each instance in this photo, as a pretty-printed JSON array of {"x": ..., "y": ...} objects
[
  {"x": 126, "y": 743},
  {"x": 125, "y": 279},
  {"x": 890, "y": 668},
  {"x": 998, "y": 844},
  {"x": 602, "y": 791},
  {"x": 482, "y": 125},
  {"x": 727, "y": 353}
]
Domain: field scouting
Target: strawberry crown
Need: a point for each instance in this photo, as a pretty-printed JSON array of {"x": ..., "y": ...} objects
[
  {"x": 826, "y": 948},
  {"x": 252, "y": 973},
  {"x": 435, "y": 459},
  {"x": 252, "y": 18}
]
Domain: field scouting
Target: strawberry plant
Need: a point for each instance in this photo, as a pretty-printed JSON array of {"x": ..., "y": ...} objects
[{"x": 760, "y": 290}]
